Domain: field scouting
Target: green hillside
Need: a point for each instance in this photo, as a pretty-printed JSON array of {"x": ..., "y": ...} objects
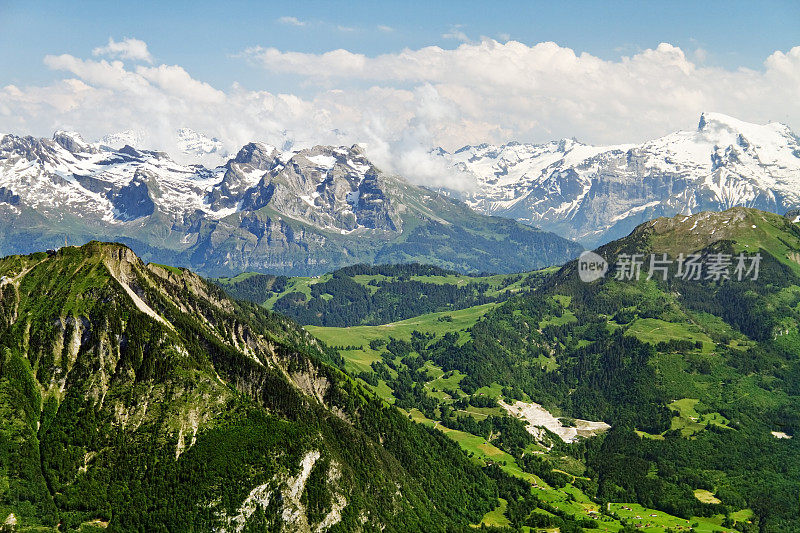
[
  {"x": 698, "y": 380},
  {"x": 139, "y": 398}
]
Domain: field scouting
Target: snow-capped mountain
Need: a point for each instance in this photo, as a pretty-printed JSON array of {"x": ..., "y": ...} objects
[
  {"x": 68, "y": 177},
  {"x": 190, "y": 146},
  {"x": 201, "y": 147},
  {"x": 305, "y": 211},
  {"x": 598, "y": 193}
]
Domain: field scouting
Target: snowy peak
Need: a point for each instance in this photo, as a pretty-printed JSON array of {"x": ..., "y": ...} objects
[
  {"x": 186, "y": 145},
  {"x": 68, "y": 178},
  {"x": 299, "y": 212},
  {"x": 241, "y": 173},
  {"x": 257, "y": 155},
  {"x": 719, "y": 122},
  {"x": 122, "y": 138},
  {"x": 196, "y": 144},
  {"x": 73, "y": 142},
  {"x": 335, "y": 188},
  {"x": 723, "y": 130},
  {"x": 329, "y": 187}
]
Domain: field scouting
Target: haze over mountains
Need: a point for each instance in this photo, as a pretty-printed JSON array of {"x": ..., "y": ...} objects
[{"x": 598, "y": 193}]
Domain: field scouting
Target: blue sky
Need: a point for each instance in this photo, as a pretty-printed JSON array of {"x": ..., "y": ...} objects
[
  {"x": 400, "y": 77},
  {"x": 205, "y": 37}
]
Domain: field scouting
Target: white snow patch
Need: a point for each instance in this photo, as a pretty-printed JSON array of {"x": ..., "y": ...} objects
[
  {"x": 323, "y": 161},
  {"x": 358, "y": 167},
  {"x": 308, "y": 200}
]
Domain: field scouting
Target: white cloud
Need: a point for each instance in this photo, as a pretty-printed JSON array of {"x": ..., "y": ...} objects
[
  {"x": 534, "y": 93},
  {"x": 175, "y": 80},
  {"x": 385, "y": 29},
  {"x": 132, "y": 49},
  {"x": 402, "y": 104},
  {"x": 346, "y": 29},
  {"x": 291, "y": 21}
]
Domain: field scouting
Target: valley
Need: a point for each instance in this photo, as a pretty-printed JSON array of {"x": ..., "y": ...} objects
[
  {"x": 400, "y": 267},
  {"x": 662, "y": 365}
]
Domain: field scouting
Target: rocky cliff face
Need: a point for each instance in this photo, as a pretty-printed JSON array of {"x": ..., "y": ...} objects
[
  {"x": 334, "y": 188},
  {"x": 302, "y": 212},
  {"x": 598, "y": 193}
]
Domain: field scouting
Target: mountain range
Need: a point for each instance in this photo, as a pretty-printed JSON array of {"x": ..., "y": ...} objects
[
  {"x": 595, "y": 194},
  {"x": 303, "y": 212},
  {"x": 310, "y": 211}
]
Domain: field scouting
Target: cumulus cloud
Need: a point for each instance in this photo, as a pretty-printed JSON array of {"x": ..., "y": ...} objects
[
  {"x": 401, "y": 105},
  {"x": 176, "y": 81},
  {"x": 132, "y": 49}
]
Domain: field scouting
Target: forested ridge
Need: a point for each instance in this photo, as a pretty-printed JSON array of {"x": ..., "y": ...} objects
[
  {"x": 140, "y": 397},
  {"x": 202, "y": 419},
  {"x": 365, "y": 294},
  {"x": 697, "y": 378}
]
